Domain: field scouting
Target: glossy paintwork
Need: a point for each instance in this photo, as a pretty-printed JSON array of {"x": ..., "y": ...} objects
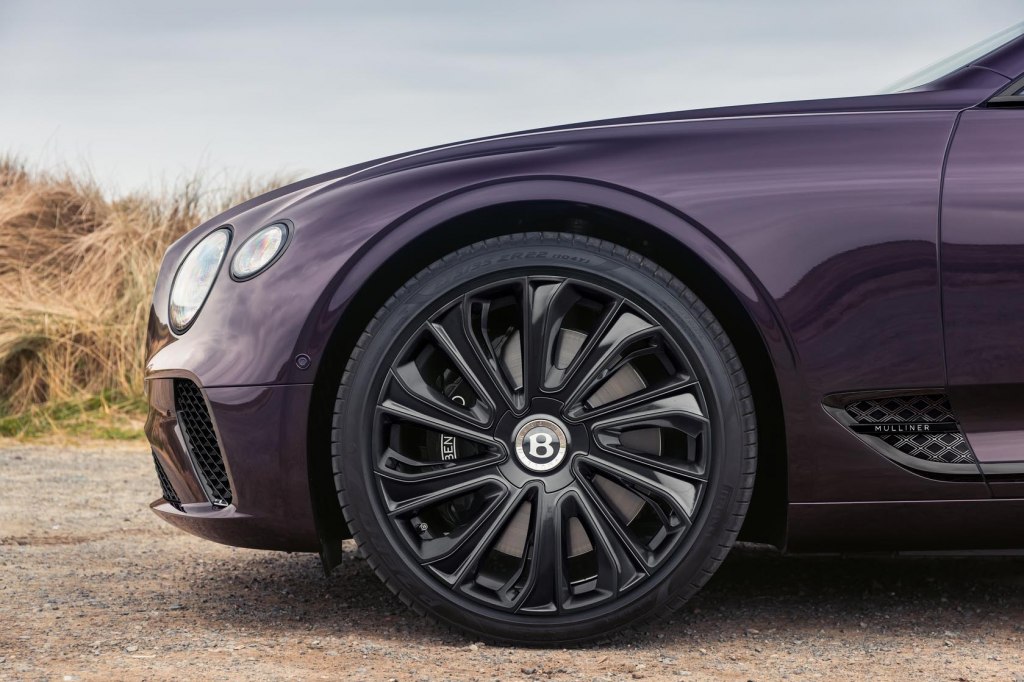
[
  {"x": 983, "y": 280},
  {"x": 822, "y": 217}
]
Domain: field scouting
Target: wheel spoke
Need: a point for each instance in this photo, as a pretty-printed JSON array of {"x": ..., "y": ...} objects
[
  {"x": 462, "y": 568},
  {"x": 544, "y": 302},
  {"x": 439, "y": 515},
  {"x": 452, "y": 333},
  {"x": 563, "y": 372},
  {"x": 649, "y": 508},
  {"x": 615, "y": 534},
  {"x": 668, "y": 432},
  {"x": 618, "y": 343},
  {"x": 546, "y": 589},
  {"x": 639, "y": 399},
  {"x": 619, "y": 563},
  {"x": 414, "y": 441},
  {"x": 494, "y": 318},
  {"x": 680, "y": 491},
  {"x": 402, "y": 495},
  {"x": 407, "y": 396}
]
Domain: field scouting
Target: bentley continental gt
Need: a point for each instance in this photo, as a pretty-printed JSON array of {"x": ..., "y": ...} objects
[{"x": 545, "y": 380}]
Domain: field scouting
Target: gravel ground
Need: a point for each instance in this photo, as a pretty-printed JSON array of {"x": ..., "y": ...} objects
[{"x": 94, "y": 586}]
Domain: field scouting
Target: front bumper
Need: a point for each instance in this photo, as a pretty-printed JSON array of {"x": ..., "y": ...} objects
[{"x": 263, "y": 499}]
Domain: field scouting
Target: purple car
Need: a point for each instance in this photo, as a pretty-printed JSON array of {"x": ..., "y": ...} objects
[{"x": 546, "y": 380}]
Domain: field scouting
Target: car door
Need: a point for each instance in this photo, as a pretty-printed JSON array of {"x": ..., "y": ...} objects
[{"x": 982, "y": 257}]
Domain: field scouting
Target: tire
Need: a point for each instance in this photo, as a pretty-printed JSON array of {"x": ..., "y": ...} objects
[{"x": 544, "y": 439}]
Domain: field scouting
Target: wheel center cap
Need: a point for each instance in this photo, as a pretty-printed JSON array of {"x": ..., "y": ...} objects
[{"x": 541, "y": 444}]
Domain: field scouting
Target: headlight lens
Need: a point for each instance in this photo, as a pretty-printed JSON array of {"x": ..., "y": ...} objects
[
  {"x": 259, "y": 251},
  {"x": 195, "y": 278}
]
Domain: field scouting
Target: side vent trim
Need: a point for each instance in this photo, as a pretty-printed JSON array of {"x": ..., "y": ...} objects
[{"x": 917, "y": 430}]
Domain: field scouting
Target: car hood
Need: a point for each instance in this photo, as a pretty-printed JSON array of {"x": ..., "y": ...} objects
[{"x": 966, "y": 89}]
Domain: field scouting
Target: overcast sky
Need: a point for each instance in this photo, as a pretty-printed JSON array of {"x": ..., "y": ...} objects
[{"x": 147, "y": 92}]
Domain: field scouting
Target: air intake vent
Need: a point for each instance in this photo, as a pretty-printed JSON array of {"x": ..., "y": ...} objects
[
  {"x": 201, "y": 440},
  {"x": 165, "y": 485},
  {"x": 921, "y": 426}
]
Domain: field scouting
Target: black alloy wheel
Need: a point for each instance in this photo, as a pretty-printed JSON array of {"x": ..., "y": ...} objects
[{"x": 542, "y": 439}]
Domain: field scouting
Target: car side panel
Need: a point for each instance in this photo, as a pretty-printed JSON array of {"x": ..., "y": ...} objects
[
  {"x": 911, "y": 526},
  {"x": 824, "y": 226},
  {"x": 837, "y": 219},
  {"x": 983, "y": 287},
  {"x": 831, "y": 222}
]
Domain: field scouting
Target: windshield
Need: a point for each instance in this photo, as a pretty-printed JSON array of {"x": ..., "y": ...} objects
[{"x": 956, "y": 61}]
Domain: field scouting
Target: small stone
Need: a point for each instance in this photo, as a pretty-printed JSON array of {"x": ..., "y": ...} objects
[{"x": 527, "y": 671}]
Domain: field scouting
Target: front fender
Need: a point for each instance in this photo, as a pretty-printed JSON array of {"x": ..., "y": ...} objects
[
  {"x": 400, "y": 235},
  {"x": 250, "y": 333}
]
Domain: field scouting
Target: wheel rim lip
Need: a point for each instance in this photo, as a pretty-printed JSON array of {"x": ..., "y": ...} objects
[{"x": 710, "y": 401}]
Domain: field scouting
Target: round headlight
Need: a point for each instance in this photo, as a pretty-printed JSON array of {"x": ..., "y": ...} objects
[
  {"x": 259, "y": 251},
  {"x": 195, "y": 278}
]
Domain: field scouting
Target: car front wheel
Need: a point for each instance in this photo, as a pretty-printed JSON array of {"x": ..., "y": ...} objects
[{"x": 544, "y": 438}]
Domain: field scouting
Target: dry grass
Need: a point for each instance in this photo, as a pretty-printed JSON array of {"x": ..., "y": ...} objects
[{"x": 76, "y": 277}]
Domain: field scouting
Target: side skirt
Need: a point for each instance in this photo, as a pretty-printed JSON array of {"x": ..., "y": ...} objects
[{"x": 915, "y": 526}]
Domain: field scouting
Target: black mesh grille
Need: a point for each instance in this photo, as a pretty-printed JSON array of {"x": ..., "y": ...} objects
[
  {"x": 201, "y": 439},
  {"x": 907, "y": 408},
  {"x": 165, "y": 485},
  {"x": 946, "y": 448}
]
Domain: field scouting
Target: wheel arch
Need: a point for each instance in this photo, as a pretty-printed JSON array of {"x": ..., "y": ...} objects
[{"x": 670, "y": 239}]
